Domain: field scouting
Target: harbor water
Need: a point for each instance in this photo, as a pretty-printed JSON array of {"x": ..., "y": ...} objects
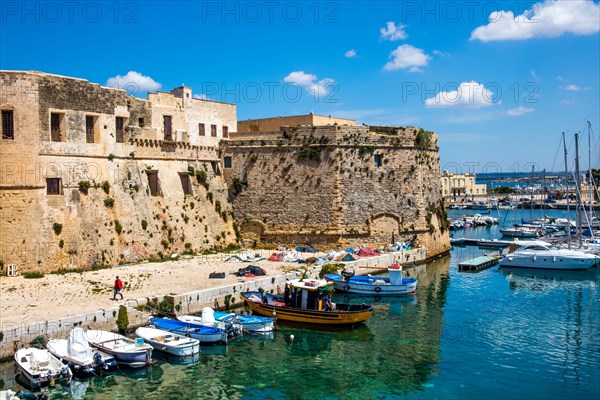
[{"x": 496, "y": 334}]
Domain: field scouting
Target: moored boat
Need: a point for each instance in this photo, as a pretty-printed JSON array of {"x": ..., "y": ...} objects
[
  {"x": 79, "y": 356},
  {"x": 393, "y": 285},
  {"x": 205, "y": 334},
  {"x": 40, "y": 368},
  {"x": 543, "y": 255},
  {"x": 307, "y": 303},
  {"x": 129, "y": 352},
  {"x": 236, "y": 322},
  {"x": 169, "y": 342}
]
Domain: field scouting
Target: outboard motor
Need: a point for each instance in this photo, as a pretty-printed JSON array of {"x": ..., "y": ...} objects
[{"x": 347, "y": 274}]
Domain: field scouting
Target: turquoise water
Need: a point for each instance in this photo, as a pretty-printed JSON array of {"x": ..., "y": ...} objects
[{"x": 496, "y": 334}]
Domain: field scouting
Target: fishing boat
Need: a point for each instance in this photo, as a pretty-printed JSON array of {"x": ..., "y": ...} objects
[
  {"x": 239, "y": 322},
  {"x": 394, "y": 285},
  {"x": 543, "y": 255},
  {"x": 169, "y": 342},
  {"x": 129, "y": 352},
  {"x": 457, "y": 241},
  {"x": 38, "y": 367},
  {"x": 306, "y": 303},
  {"x": 79, "y": 356},
  {"x": 205, "y": 334}
]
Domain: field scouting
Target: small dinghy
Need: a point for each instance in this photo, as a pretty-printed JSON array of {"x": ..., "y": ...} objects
[
  {"x": 242, "y": 323},
  {"x": 169, "y": 342},
  {"x": 40, "y": 368},
  {"x": 129, "y": 352},
  {"x": 79, "y": 356},
  {"x": 205, "y": 334}
]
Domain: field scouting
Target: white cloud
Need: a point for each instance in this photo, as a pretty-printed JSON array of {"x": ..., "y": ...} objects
[
  {"x": 560, "y": 78},
  {"x": 407, "y": 56},
  {"x": 350, "y": 53},
  {"x": 393, "y": 32},
  {"x": 300, "y": 78},
  {"x": 534, "y": 74},
  {"x": 133, "y": 82},
  {"x": 309, "y": 81},
  {"x": 519, "y": 111},
  {"x": 440, "y": 53},
  {"x": 467, "y": 95},
  {"x": 575, "y": 88},
  {"x": 546, "y": 19}
]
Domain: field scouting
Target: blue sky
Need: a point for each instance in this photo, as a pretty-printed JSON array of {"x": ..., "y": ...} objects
[{"x": 499, "y": 81}]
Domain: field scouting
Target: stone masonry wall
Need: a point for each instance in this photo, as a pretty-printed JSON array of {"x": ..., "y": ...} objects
[
  {"x": 116, "y": 219},
  {"x": 333, "y": 184}
]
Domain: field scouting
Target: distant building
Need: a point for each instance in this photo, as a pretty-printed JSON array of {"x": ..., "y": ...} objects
[
  {"x": 458, "y": 186},
  {"x": 274, "y": 124}
]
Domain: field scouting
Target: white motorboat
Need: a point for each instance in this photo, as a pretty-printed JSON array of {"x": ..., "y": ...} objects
[
  {"x": 40, "y": 368},
  {"x": 543, "y": 255},
  {"x": 169, "y": 342},
  {"x": 129, "y": 352},
  {"x": 78, "y": 355}
]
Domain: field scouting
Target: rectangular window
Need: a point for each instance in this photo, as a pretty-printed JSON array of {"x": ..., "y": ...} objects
[
  {"x": 8, "y": 125},
  {"x": 377, "y": 158},
  {"x": 55, "y": 122},
  {"x": 141, "y": 122},
  {"x": 53, "y": 186},
  {"x": 186, "y": 183},
  {"x": 154, "y": 183},
  {"x": 201, "y": 130},
  {"x": 168, "y": 128},
  {"x": 213, "y": 130},
  {"x": 227, "y": 162},
  {"x": 119, "y": 133},
  {"x": 89, "y": 129},
  {"x": 225, "y": 132}
]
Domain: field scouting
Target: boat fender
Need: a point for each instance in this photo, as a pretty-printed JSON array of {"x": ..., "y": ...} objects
[
  {"x": 346, "y": 287},
  {"x": 377, "y": 289},
  {"x": 554, "y": 259}
]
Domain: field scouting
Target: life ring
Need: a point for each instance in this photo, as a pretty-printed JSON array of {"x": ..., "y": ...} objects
[
  {"x": 377, "y": 289},
  {"x": 345, "y": 288}
]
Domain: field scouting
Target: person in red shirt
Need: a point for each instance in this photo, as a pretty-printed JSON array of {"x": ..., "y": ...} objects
[{"x": 118, "y": 287}]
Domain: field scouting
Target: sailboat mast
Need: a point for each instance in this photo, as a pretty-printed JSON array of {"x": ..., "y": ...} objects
[
  {"x": 578, "y": 189},
  {"x": 567, "y": 193},
  {"x": 532, "y": 194},
  {"x": 590, "y": 172}
]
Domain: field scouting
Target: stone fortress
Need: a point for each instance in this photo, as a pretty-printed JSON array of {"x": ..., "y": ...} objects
[{"x": 92, "y": 176}]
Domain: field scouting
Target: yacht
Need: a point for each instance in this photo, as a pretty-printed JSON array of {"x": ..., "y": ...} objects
[{"x": 543, "y": 255}]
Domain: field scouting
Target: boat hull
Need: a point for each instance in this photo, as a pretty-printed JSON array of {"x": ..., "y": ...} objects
[
  {"x": 36, "y": 379},
  {"x": 553, "y": 263},
  {"x": 124, "y": 350},
  {"x": 366, "y": 285},
  {"x": 204, "y": 334},
  {"x": 173, "y": 344},
  {"x": 349, "y": 316}
]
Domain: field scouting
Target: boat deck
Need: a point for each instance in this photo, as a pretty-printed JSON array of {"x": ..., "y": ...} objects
[{"x": 477, "y": 264}]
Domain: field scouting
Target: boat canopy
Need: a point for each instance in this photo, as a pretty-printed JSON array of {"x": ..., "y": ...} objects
[{"x": 310, "y": 284}]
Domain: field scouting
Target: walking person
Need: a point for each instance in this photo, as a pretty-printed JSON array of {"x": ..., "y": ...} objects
[{"x": 117, "y": 289}]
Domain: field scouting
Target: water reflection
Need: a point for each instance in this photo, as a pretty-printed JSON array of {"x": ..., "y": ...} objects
[{"x": 543, "y": 279}]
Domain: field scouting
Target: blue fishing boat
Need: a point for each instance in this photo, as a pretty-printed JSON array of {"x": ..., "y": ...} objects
[
  {"x": 205, "y": 334},
  {"x": 393, "y": 285},
  {"x": 232, "y": 321}
]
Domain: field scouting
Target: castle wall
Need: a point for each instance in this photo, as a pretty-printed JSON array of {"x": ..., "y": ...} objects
[
  {"x": 116, "y": 218},
  {"x": 334, "y": 184},
  {"x": 275, "y": 123}
]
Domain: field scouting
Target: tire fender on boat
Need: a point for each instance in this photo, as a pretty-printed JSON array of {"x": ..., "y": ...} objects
[
  {"x": 346, "y": 287},
  {"x": 377, "y": 289}
]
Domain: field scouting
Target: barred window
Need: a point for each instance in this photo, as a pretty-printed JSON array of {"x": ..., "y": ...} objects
[
  {"x": 89, "y": 129},
  {"x": 8, "y": 125},
  {"x": 213, "y": 130},
  {"x": 119, "y": 133},
  {"x": 53, "y": 186},
  {"x": 55, "y": 131},
  {"x": 168, "y": 127},
  {"x": 201, "y": 130}
]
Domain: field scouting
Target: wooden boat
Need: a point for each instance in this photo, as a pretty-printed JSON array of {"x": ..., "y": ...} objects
[
  {"x": 79, "y": 356},
  {"x": 129, "y": 352},
  {"x": 40, "y": 368},
  {"x": 169, "y": 342},
  {"x": 205, "y": 334},
  {"x": 306, "y": 304},
  {"x": 395, "y": 285},
  {"x": 242, "y": 323}
]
